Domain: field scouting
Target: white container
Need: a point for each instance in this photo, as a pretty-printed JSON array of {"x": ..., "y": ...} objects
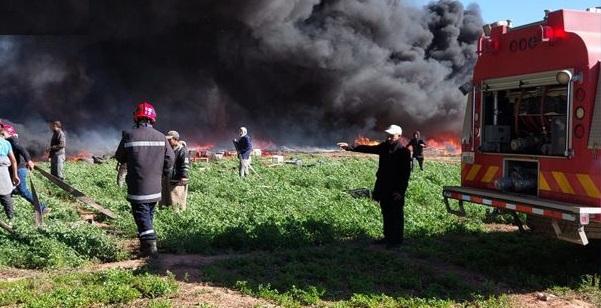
[
  {"x": 277, "y": 159},
  {"x": 257, "y": 152}
]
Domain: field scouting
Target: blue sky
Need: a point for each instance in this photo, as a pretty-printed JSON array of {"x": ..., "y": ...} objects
[{"x": 521, "y": 11}]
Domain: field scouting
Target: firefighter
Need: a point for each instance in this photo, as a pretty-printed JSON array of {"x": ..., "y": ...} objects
[
  {"x": 24, "y": 166},
  {"x": 57, "y": 149},
  {"x": 8, "y": 176},
  {"x": 392, "y": 179},
  {"x": 244, "y": 147},
  {"x": 149, "y": 157},
  {"x": 175, "y": 187},
  {"x": 417, "y": 148}
]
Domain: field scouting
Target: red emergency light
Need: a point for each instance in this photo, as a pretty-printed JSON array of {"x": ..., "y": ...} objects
[{"x": 549, "y": 33}]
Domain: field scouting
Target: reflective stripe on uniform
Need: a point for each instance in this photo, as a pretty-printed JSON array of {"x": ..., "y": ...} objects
[
  {"x": 147, "y": 232},
  {"x": 143, "y": 197},
  {"x": 145, "y": 144}
]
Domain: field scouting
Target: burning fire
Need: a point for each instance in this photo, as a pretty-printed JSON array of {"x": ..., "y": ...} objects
[
  {"x": 444, "y": 145},
  {"x": 80, "y": 156},
  {"x": 361, "y": 140},
  {"x": 440, "y": 145},
  {"x": 201, "y": 147}
]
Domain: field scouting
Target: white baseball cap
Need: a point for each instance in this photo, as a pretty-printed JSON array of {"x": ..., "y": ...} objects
[{"x": 394, "y": 130}]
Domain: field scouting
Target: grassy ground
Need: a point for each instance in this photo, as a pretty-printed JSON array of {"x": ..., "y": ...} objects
[{"x": 295, "y": 236}]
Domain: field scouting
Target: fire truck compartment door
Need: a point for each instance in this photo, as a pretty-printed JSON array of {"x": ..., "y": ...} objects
[
  {"x": 594, "y": 138},
  {"x": 521, "y": 81}
]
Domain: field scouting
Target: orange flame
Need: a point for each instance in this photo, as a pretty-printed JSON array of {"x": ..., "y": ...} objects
[
  {"x": 362, "y": 140},
  {"x": 201, "y": 147},
  {"x": 80, "y": 156},
  {"x": 444, "y": 145}
]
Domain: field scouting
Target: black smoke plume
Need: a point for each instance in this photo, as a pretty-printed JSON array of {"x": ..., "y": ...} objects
[{"x": 295, "y": 72}]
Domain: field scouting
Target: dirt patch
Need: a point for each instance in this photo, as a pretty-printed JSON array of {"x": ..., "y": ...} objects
[
  {"x": 191, "y": 294},
  {"x": 10, "y": 274},
  {"x": 541, "y": 299},
  {"x": 501, "y": 228}
]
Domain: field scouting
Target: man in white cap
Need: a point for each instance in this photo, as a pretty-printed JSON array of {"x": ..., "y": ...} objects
[
  {"x": 244, "y": 147},
  {"x": 392, "y": 179},
  {"x": 175, "y": 187}
]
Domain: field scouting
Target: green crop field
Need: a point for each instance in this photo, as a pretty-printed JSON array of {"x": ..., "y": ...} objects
[{"x": 290, "y": 236}]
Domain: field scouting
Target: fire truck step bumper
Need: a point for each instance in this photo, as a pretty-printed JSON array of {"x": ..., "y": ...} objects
[{"x": 519, "y": 203}]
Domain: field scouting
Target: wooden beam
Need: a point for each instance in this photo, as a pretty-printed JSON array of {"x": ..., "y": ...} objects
[
  {"x": 6, "y": 227},
  {"x": 78, "y": 195}
]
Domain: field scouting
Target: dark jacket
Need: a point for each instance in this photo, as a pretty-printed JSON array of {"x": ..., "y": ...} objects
[
  {"x": 244, "y": 146},
  {"x": 182, "y": 163},
  {"x": 149, "y": 157},
  {"x": 58, "y": 143},
  {"x": 21, "y": 154},
  {"x": 417, "y": 146},
  {"x": 394, "y": 168}
]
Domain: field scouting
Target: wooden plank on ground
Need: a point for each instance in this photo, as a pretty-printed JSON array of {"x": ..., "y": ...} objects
[
  {"x": 78, "y": 195},
  {"x": 6, "y": 227}
]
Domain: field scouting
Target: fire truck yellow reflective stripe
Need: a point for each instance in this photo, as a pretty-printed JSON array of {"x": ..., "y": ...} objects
[
  {"x": 473, "y": 172},
  {"x": 490, "y": 174},
  {"x": 563, "y": 183},
  {"x": 588, "y": 185},
  {"x": 542, "y": 182}
]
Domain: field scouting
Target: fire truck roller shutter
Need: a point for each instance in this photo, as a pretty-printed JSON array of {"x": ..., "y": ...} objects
[
  {"x": 466, "y": 136},
  {"x": 528, "y": 80},
  {"x": 594, "y": 139}
]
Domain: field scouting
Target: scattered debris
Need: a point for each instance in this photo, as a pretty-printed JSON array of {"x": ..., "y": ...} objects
[
  {"x": 101, "y": 159},
  {"x": 296, "y": 162},
  {"x": 277, "y": 159},
  {"x": 360, "y": 193},
  {"x": 217, "y": 156},
  {"x": 541, "y": 296}
]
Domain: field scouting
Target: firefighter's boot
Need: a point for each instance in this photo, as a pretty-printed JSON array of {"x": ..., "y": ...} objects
[{"x": 148, "y": 248}]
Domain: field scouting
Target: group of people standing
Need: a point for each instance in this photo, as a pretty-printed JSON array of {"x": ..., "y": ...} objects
[
  {"x": 16, "y": 163},
  {"x": 155, "y": 168}
]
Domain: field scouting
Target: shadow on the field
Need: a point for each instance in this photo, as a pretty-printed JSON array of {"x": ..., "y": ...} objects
[
  {"x": 268, "y": 235},
  {"x": 460, "y": 267}
]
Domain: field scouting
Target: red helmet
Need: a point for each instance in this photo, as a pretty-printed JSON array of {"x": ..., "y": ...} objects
[
  {"x": 9, "y": 129},
  {"x": 145, "y": 110}
]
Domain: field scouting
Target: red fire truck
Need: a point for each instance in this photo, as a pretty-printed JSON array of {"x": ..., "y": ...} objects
[{"x": 532, "y": 132}]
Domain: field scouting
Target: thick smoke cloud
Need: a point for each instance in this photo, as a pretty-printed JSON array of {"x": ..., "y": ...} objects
[{"x": 296, "y": 72}]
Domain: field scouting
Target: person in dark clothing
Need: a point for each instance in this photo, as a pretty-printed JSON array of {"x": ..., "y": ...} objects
[
  {"x": 392, "y": 179},
  {"x": 149, "y": 157},
  {"x": 417, "y": 146},
  {"x": 24, "y": 165},
  {"x": 175, "y": 187},
  {"x": 57, "y": 149},
  {"x": 244, "y": 147}
]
